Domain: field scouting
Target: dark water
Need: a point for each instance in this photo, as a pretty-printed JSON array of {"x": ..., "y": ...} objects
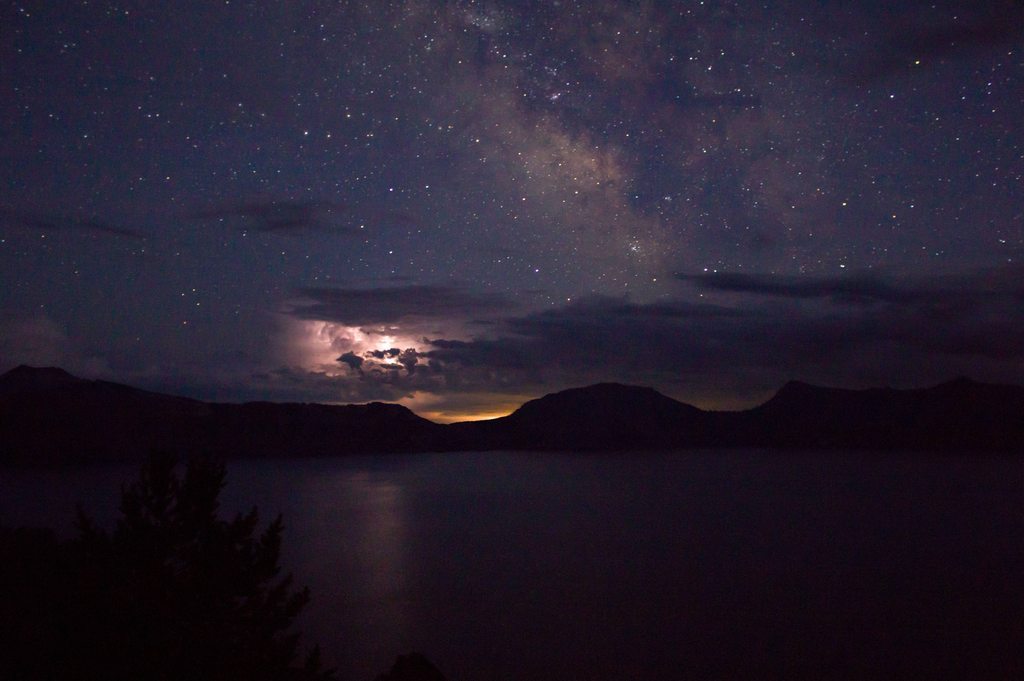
[{"x": 669, "y": 566}]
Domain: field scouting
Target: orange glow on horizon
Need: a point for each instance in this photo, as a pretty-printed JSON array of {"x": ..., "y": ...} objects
[
  {"x": 454, "y": 417},
  {"x": 466, "y": 407}
]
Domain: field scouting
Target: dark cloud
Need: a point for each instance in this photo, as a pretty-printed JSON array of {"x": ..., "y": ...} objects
[
  {"x": 409, "y": 358},
  {"x": 279, "y": 215},
  {"x": 969, "y": 29},
  {"x": 61, "y": 223},
  {"x": 853, "y": 289},
  {"x": 354, "y": 361},
  {"x": 359, "y": 307},
  {"x": 941, "y": 292},
  {"x": 668, "y": 309},
  {"x": 374, "y": 361},
  {"x": 286, "y": 216}
]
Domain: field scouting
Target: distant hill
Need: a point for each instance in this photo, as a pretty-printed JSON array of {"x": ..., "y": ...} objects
[
  {"x": 603, "y": 416},
  {"x": 960, "y": 414},
  {"x": 49, "y": 416}
]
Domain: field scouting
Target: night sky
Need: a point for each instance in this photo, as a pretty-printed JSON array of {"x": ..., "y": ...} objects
[{"x": 462, "y": 205}]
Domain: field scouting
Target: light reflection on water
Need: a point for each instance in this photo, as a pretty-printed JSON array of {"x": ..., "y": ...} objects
[{"x": 350, "y": 542}]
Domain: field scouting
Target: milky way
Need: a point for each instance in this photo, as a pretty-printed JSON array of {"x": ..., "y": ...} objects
[{"x": 462, "y": 204}]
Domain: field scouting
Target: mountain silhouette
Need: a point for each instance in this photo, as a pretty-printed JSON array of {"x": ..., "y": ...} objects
[
  {"x": 602, "y": 416},
  {"x": 49, "y": 416},
  {"x": 960, "y": 414}
]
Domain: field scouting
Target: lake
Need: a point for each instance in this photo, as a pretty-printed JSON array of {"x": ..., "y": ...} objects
[{"x": 724, "y": 564}]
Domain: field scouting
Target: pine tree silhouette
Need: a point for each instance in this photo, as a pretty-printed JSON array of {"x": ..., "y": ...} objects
[{"x": 174, "y": 592}]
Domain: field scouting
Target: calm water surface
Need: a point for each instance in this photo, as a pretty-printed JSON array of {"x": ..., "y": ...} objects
[{"x": 657, "y": 566}]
